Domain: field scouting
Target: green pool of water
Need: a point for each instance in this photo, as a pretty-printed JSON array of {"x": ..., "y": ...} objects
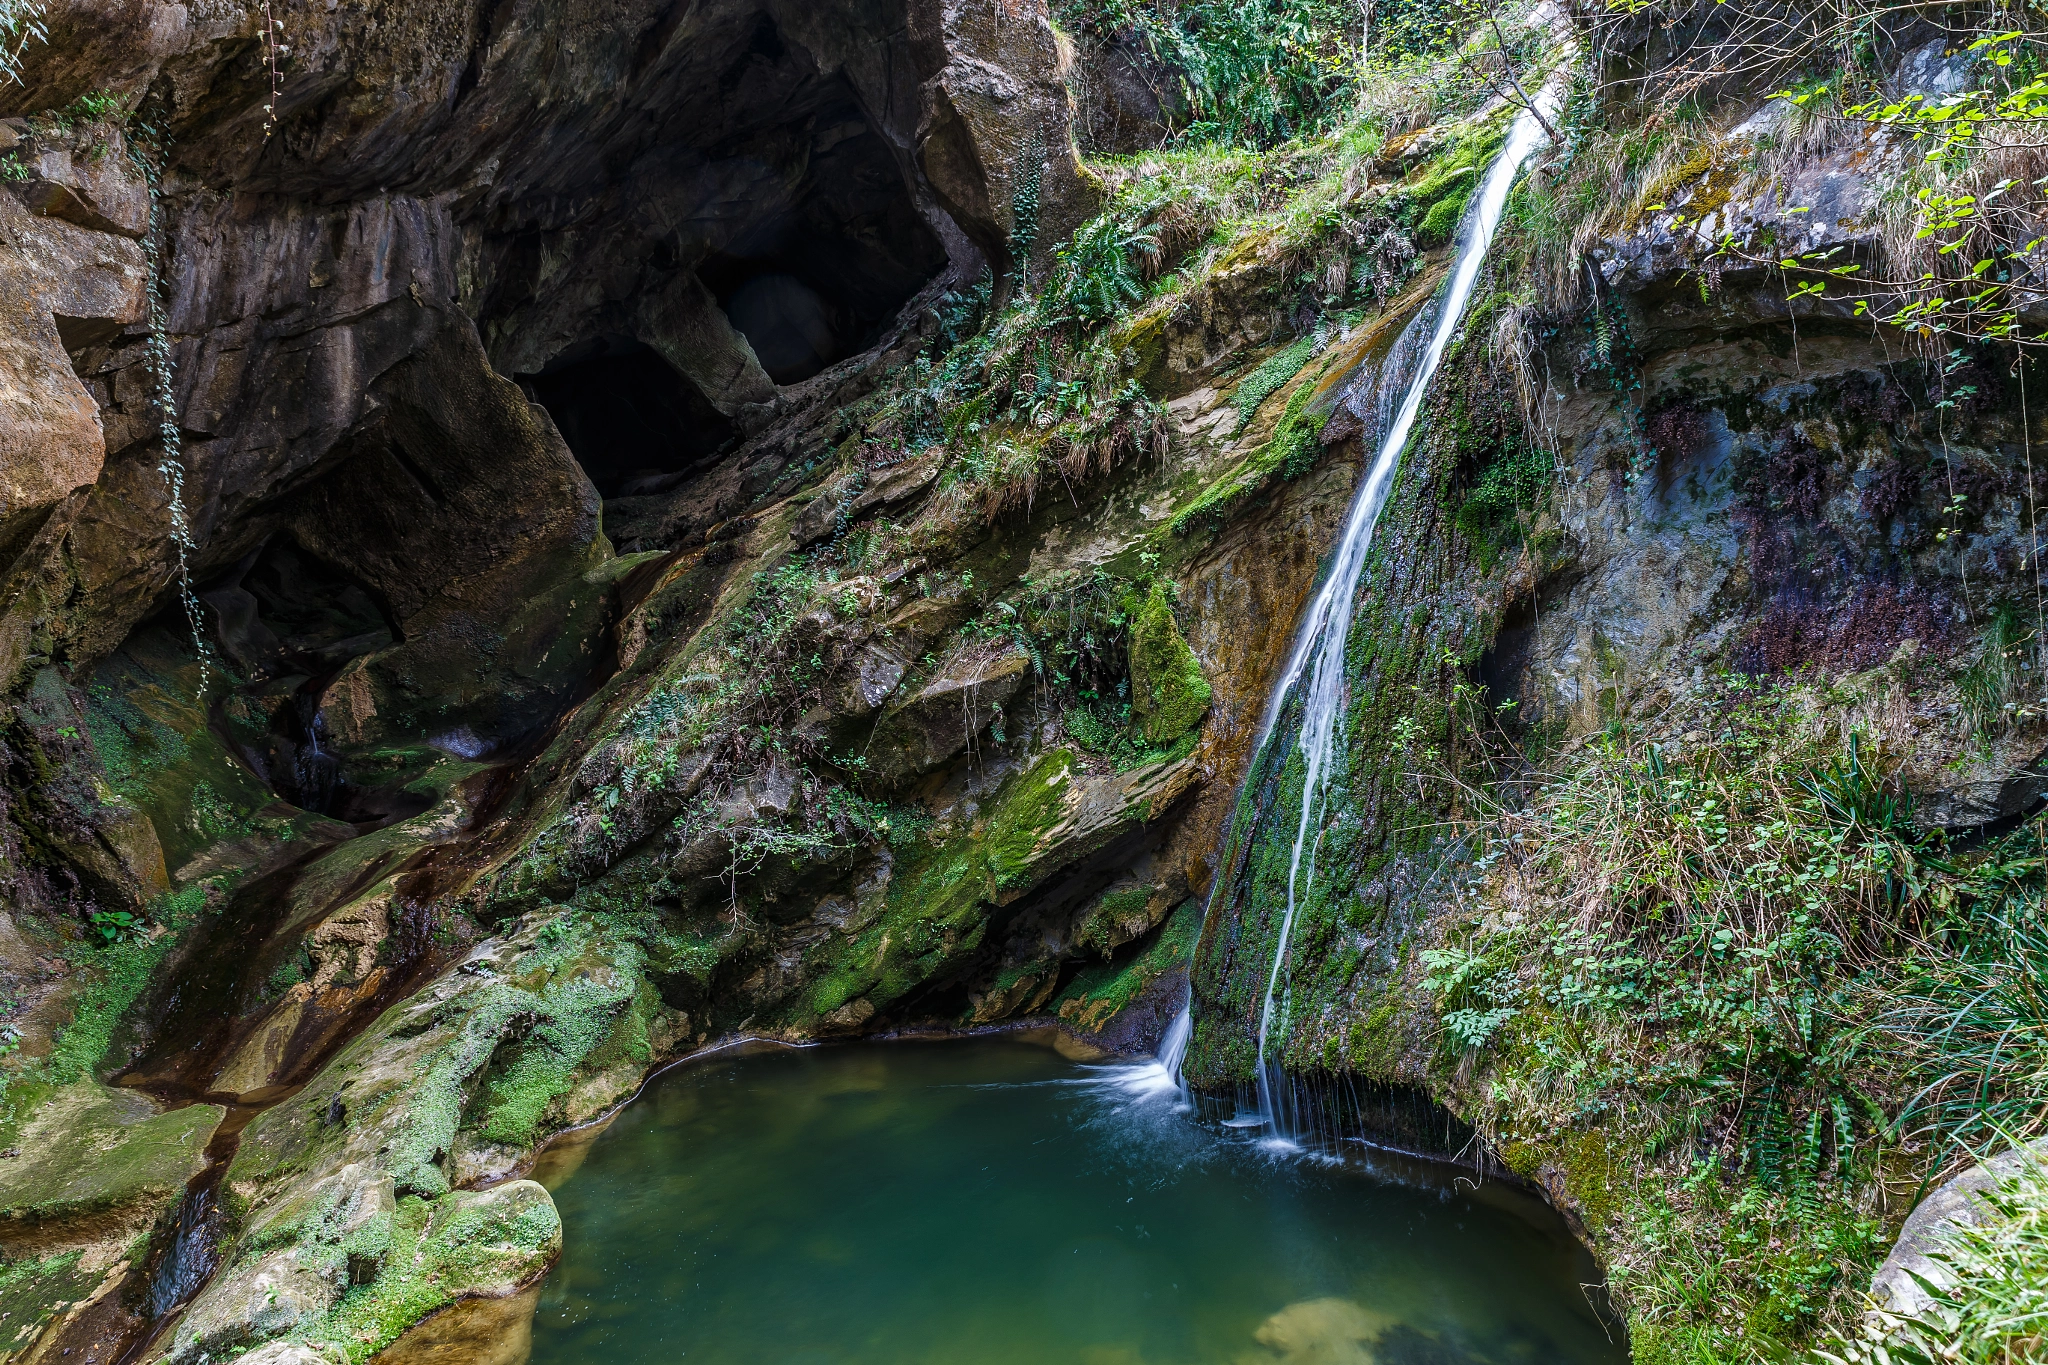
[{"x": 991, "y": 1201}]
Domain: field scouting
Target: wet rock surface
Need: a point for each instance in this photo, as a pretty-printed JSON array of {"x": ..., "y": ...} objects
[{"x": 533, "y": 746}]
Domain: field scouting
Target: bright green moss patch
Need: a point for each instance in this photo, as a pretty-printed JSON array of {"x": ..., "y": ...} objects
[
  {"x": 1271, "y": 375},
  {"x": 936, "y": 904},
  {"x": 1434, "y": 201},
  {"x": 110, "y": 977},
  {"x": 567, "y": 1000},
  {"x": 1030, "y": 805},
  {"x": 1291, "y": 453},
  {"x": 1100, "y": 992},
  {"x": 576, "y": 1019},
  {"x": 1115, "y": 908},
  {"x": 1169, "y": 695},
  {"x": 1442, "y": 220}
]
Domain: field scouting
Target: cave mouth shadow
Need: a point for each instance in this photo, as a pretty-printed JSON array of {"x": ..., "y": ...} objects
[
  {"x": 633, "y": 423},
  {"x": 287, "y": 622},
  {"x": 818, "y": 274}
]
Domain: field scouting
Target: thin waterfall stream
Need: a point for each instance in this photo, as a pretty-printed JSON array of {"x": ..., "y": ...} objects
[{"x": 1316, "y": 664}]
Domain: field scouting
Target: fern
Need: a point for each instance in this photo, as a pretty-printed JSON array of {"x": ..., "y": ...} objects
[
  {"x": 1097, "y": 268},
  {"x": 1024, "y": 200}
]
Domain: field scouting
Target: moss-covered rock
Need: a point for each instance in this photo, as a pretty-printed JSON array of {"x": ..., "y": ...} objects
[
  {"x": 1098, "y": 994},
  {"x": 1169, "y": 695},
  {"x": 96, "y": 1165}
]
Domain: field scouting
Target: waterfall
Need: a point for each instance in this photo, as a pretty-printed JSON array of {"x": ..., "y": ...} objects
[{"x": 1315, "y": 669}]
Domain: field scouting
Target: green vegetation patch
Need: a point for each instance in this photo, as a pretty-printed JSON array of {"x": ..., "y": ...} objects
[
  {"x": 1988, "y": 1294},
  {"x": 1098, "y": 993},
  {"x": 935, "y": 910},
  {"x": 434, "y": 1252},
  {"x": 35, "y": 1290},
  {"x": 91, "y": 1153},
  {"x": 1292, "y": 452},
  {"x": 1272, "y": 375},
  {"x": 111, "y": 975},
  {"x": 1433, "y": 201},
  {"x": 1169, "y": 695},
  {"x": 1730, "y": 992}
]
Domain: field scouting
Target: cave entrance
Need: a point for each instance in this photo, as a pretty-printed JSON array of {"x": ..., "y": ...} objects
[
  {"x": 633, "y": 423},
  {"x": 288, "y": 621},
  {"x": 820, "y": 276}
]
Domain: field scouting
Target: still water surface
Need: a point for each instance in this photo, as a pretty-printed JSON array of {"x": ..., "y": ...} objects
[{"x": 990, "y": 1201}]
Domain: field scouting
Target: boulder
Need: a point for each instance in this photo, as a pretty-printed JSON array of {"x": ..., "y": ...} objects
[
  {"x": 945, "y": 716},
  {"x": 98, "y": 1165},
  {"x": 1956, "y": 1203}
]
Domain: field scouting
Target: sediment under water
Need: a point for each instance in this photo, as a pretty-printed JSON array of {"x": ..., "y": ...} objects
[{"x": 993, "y": 1201}]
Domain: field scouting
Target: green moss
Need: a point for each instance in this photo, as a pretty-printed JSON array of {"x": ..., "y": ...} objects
[
  {"x": 92, "y": 1151},
  {"x": 1515, "y": 480},
  {"x": 1441, "y": 221},
  {"x": 936, "y": 909},
  {"x": 1271, "y": 376},
  {"x": 35, "y": 1290},
  {"x": 1113, "y": 909},
  {"x": 435, "y": 1253},
  {"x": 1169, "y": 695},
  {"x": 109, "y": 978},
  {"x": 1291, "y": 453},
  {"x": 1031, "y": 804},
  {"x": 575, "y": 1018},
  {"x": 1100, "y": 992},
  {"x": 1431, "y": 204}
]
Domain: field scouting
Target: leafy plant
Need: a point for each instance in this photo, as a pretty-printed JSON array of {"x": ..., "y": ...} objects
[
  {"x": 113, "y": 926},
  {"x": 1251, "y": 73},
  {"x": 1097, "y": 269},
  {"x": 21, "y": 23}
]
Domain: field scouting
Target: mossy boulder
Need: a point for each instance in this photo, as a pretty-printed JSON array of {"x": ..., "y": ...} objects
[
  {"x": 1099, "y": 999},
  {"x": 347, "y": 1231},
  {"x": 97, "y": 1165},
  {"x": 1169, "y": 695},
  {"x": 355, "y": 1281}
]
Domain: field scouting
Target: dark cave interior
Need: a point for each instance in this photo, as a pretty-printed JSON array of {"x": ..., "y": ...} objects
[{"x": 634, "y": 424}]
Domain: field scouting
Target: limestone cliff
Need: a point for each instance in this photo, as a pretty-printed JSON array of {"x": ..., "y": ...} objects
[{"x": 714, "y": 519}]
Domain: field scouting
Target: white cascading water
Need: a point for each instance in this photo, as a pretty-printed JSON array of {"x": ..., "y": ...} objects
[{"x": 1326, "y": 627}]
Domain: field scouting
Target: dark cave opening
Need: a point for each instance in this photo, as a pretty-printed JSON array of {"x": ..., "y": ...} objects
[
  {"x": 821, "y": 279},
  {"x": 288, "y": 621},
  {"x": 633, "y": 423},
  {"x": 283, "y": 611}
]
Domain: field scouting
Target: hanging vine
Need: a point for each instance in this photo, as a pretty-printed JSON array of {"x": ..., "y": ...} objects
[
  {"x": 146, "y": 148},
  {"x": 273, "y": 50}
]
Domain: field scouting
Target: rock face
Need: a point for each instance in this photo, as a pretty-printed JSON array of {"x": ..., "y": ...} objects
[
  {"x": 494, "y": 281},
  {"x": 607, "y": 643},
  {"x": 1898, "y": 1284}
]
